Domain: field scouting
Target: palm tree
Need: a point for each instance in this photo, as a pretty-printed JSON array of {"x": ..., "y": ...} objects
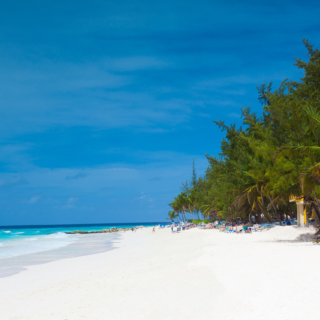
[
  {"x": 182, "y": 203},
  {"x": 172, "y": 215}
]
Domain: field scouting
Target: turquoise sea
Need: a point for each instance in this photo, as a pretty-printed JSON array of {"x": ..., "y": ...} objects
[{"x": 17, "y": 241}]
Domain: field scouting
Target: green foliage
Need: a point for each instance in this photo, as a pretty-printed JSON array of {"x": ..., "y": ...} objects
[
  {"x": 267, "y": 159},
  {"x": 172, "y": 215},
  {"x": 198, "y": 221}
]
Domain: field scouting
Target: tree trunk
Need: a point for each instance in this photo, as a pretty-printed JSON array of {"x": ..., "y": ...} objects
[
  {"x": 277, "y": 214},
  {"x": 317, "y": 210},
  {"x": 184, "y": 215},
  {"x": 265, "y": 212},
  {"x": 259, "y": 218}
]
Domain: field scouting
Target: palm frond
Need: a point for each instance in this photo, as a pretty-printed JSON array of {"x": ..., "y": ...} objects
[{"x": 313, "y": 114}]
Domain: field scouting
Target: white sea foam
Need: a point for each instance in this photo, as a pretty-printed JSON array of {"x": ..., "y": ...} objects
[
  {"x": 27, "y": 245},
  {"x": 7, "y": 231},
  {"x": 58, "y": 235},
  {"x": 19, "y": 233}
]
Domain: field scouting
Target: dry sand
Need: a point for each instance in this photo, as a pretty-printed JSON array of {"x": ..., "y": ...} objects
[{"x": 197, "y": 274}]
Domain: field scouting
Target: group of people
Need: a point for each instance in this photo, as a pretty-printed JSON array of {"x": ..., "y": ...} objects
[
  {"x": 184, "y": 226},
  {"x": 242, "y": 227},
  {"x": 134, "y": 229},
  {"x": 238, "y": 227}
]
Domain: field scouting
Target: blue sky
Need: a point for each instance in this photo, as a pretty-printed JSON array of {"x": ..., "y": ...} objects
[{"x": 104, "y": 104}]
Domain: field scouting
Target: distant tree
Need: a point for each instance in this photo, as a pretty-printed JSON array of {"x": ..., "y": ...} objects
[{"x": 194, "y": 180}]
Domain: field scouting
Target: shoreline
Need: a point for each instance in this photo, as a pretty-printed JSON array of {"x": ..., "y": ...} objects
[
  {"x": 111, "y": 230},
  {"x": 18, "y": 242},
  {"x": 81, "y": 246},
  {"x": 196, "y": 274}
]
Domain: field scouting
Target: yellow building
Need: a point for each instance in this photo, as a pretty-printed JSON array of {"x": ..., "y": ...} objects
[{"x": 301, "y": 210}]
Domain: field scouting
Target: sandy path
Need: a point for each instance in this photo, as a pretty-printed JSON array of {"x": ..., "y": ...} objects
[{"x": 197, "y": 274}]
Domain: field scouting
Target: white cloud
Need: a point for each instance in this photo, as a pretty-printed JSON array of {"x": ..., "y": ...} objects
[
  {"x": 234, "y": 115},
  {"x": 135, "y": 63},
  {"x": 241, "y": 79},
  {"x": 71, "y": 202},
  {"x": 34, "y": 199},
  {"x": 145, "y": 197},
  {"x": 11, "y": 181}
]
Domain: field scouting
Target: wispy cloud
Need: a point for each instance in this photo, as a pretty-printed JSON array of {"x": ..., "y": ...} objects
[
  {"x": 78, "y": 175},
  {"x": 155, "y": 179},
  {"x": 145, "y": 198},
  {"x": 9, "y": 182},
  {"x": 241, "y": 79},
  {"x": 71, "y": 203},
  {"x": 135, "y": 63},
  {"x": 103, "y": 104},
  {"x": 34, "y": 199},
  {"x": 234, "y": 115}
]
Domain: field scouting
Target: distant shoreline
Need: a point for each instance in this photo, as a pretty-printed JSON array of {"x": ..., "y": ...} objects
[
  {"x": 79, "y": 225},
  {"x": 19, "y": 241}
]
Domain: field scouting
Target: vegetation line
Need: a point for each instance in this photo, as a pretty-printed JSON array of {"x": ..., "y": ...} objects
[{"x": 265, "y": 161}]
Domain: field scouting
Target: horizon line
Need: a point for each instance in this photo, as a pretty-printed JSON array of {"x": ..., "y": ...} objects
[{"x": 77, "y": 224}]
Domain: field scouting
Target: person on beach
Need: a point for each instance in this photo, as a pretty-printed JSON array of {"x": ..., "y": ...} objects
[{"x": 154, "y": 230}]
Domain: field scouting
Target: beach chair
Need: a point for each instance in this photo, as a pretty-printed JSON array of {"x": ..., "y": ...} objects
[
  {"x": 246, "y": 229},
  {"x": 254, "y": 228},
  {"x": 230, "y": 229}
]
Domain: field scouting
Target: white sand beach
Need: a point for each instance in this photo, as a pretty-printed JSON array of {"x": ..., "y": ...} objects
[{"x": 197, "y": 274}]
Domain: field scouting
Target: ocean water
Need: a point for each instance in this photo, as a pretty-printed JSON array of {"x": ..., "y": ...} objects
[{"x": 22, "y": 240}]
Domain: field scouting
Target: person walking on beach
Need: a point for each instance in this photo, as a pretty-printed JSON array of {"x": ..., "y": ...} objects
[{"x": 154, "y": 230}]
